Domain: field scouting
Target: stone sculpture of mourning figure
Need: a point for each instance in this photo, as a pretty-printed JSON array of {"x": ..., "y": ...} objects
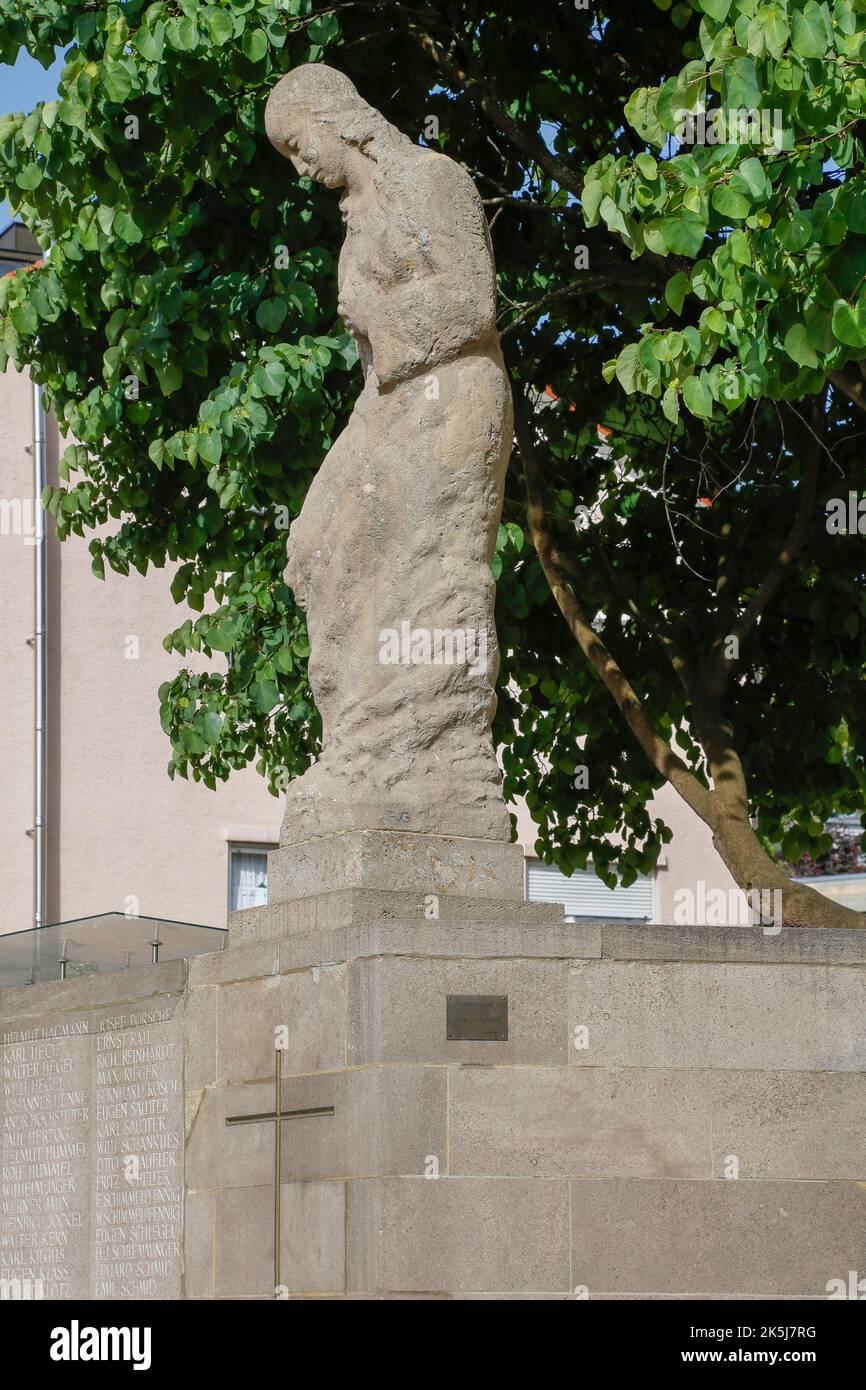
[{"x": 390, "y": 556}]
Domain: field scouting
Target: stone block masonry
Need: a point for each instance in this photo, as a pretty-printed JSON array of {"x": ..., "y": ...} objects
[
  {"x": 91, "y": 1143},
  {"x": 674, "y": 1113}
]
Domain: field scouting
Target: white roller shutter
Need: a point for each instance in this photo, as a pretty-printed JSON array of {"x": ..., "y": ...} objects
[{"x": 584, "y": 894}]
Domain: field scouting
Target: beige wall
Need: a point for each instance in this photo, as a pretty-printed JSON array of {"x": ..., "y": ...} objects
[
  {"x": 121, "y": 836},
  {"x": 17, "y": 571}
]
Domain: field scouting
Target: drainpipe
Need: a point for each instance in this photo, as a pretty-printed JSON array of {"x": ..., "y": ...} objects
[{"x": 40, "y": 651}]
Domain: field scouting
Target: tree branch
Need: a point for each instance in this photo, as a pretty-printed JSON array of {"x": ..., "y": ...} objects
[
  {"x": 666, "y": 762},
  {"x": 778, "y": 572},
  {"x": 851, "y": 387},
  {"x": 588, "y": 284},
  {"x": 456, "y": 78}
]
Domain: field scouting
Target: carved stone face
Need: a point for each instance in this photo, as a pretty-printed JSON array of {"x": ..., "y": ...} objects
[{"x": 313, "y": 146}]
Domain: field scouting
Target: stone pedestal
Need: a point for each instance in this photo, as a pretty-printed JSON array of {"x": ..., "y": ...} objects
[{"x": 676, "y": 1112}]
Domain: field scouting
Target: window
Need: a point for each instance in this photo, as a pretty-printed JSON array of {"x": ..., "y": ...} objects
[
  {"x": 585, "y": 896},
  {"x": 248, "y": 876}
]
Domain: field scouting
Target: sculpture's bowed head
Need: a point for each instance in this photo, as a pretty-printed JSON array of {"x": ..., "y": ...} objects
[{"x": 317, "y": 119}]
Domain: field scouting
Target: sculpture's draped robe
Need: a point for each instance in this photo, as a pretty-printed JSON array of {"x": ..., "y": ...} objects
[{"x": 400, "y": 522}]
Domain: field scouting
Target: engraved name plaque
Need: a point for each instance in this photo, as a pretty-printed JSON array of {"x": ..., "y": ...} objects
[
  {"x": 477, "y": 1017},
  {"x": 91, "y": 1162}
]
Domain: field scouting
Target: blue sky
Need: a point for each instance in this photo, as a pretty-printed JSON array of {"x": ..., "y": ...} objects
[{"x": 21, "y": 87}]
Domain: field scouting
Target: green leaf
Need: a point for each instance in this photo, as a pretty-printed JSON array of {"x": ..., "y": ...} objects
[
  {"x": 698, "y": 397},
  {"x": 683, "y": 233},
  {"x": 271, "y": 378},
  {"x": 209, "y": 445},
  {"x": 676, "y": 290},
  {"x": 222, "y": 636},
  {"x": 849, "y": 324},
  {"x": 323, "y": 29},
  {"x": 271, "y": 314},
  {"x": 751, "y": 178},
  {"x": 811, "y": 34},
  {"x": 590, "y": 198},
  {"x": 798, "y": 347},
  {"x": 795, "y": 233},
  {"x": 740, "y": 87},
  {"x": 716, "y": 9},
  {"x": 641, "y": 112},
  {"x": 219, "y": 25},
  {"x": 213, "y": 726},
  {"x": 627, "y": 368},
  {"x": 127, "y": 228},
  {"x": 730, "y": 204},
  {"x": 170, "y": 378},
  {"x": 116, "y": 82},
  {"x": 768, "y": 31},
  {"x": 255, "y": 44},
  {"x": 29, "y": 177}
]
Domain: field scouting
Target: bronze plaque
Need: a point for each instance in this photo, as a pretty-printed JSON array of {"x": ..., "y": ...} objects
[{"x": 477, "y": 1017}]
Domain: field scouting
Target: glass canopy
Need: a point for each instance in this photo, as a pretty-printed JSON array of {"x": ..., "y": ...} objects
[{"x": 108, "y": 941}]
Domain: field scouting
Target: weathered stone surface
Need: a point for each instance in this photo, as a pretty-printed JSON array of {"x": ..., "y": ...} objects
[
  {"x": 790, "y": 1124},
  {"x": 93, "y": 991},
  {"x": 242, "y": 962},
  {"x": 401, "y": 862},
  {"x": 811, "y": 946},
  {"x": 459, "y": 1234},
  {"x": 200, "y": 1039},
  {"x": 240, "y": 1156},
  {"x": 308, "y": 1006},
  {"x": 716, "y": 1238},
  {"x": 545, "y": 1122},
  {"x": 398, "y": 528},
  {"x": 312, "y": 1239},
  {"x": 737, "y": 1016},
  {"x": 386, "y": 1120},
  {"x": 518, "y": 937},
  {"x": 91, "y": 1163},
  {"x": 366, "y": 907},
  {"x": 198, "y": 1245},
  {"x": 397, "y": 1010}
]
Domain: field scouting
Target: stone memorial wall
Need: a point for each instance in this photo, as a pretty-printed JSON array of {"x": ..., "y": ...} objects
[{"x": 91, "y": 1148}]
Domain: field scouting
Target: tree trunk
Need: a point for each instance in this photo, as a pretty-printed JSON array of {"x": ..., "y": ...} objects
[
  {"x": 724, "y": 808},
  {"x": 735, "y": 840},
  {"x": 752, "y": 869}
]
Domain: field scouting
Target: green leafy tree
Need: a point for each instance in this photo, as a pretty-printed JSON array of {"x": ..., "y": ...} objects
[
  {"x": 189, "y": 264},
  {"x": 184, "y": 328}
]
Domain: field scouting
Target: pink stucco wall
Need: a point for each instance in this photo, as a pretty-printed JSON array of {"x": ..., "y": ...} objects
[{"x": 121, "y": 836}]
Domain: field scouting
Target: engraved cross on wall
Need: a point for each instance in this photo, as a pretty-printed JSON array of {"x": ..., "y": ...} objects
[{"x": 276, "y": 1117}]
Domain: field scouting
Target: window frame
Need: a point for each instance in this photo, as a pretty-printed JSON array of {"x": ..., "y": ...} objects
[{"x": 245, "y": 847}]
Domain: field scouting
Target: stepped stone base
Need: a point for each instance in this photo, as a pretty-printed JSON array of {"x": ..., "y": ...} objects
[
  {"x": 671, "y": 1112},
  {"x": 396, "y": 861},
  {"x": 591, "y": 1154}
]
